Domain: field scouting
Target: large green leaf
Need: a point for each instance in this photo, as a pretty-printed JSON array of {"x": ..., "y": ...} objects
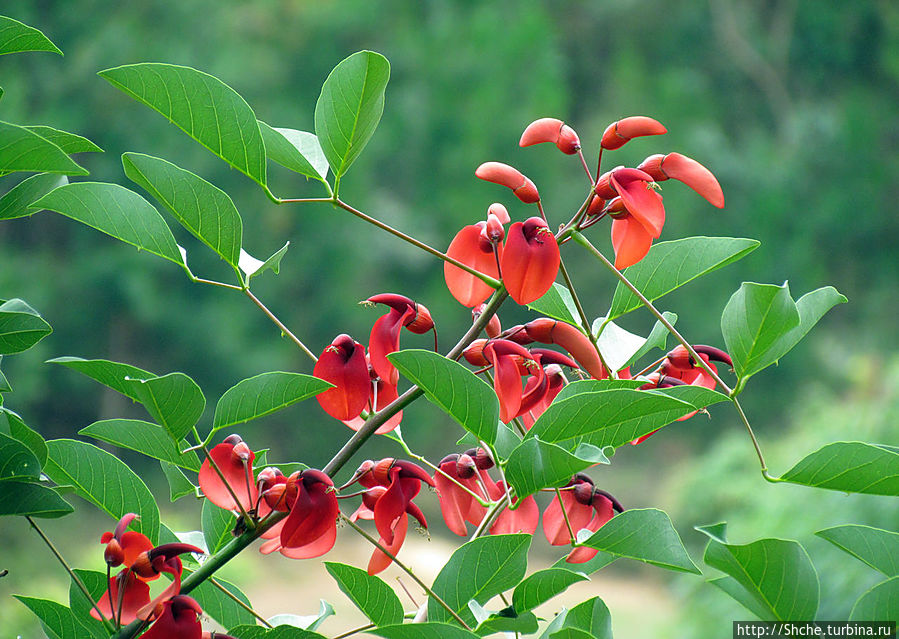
[
  {"x": 852, "y": 467},
  {"x": 350, "y": 107},
  {"x": 103, "y": 480},
  {"x": 427, "y": 630},
  {"x": 264, "y": 394},
  {"x": 57, "y": 620},
  {"x": 368, "y": 593},
  {"x": 542, "y": 586},
  {"x": 454, "y": 388},
  {"x": 589, "y": 619},
  {"x": 669, "y": 265},
  {"x": 179, "y": 485},
  {"x": 881, "y": 603},
  {"x": 245, "y": 631},
  {"x": 16, "y": 201},
  {"x": 16, "y": 37},
  {"x": 29, "y": 498},
  {"x": 773, "y": 578},
  {"x": 761, "y": 323},
  {"x": 505, "y": 620},
  {"x": 557, "y": 303},
  {"x": 25, "y": 150},
  {"x": 21, "y": 327},
  {"x": 607, "y": 418},
  {"x": 114, "y": 375},
  {"x": 150, "y": 439},
  {"x": 220, "y": 606},
  {"x": 68, "y": 142},
  {"x": 536, "y": 464},
  {"x": 203, "y": 209},
  {"x": 17, "y": 461},
  {"x": 96, "y": 585},
  {"x": 877, "y": 548},
  {"x": 12, "y": 424},
  {"x": 298, "y": 151},
  {"x": 202, "y": 106},
  {"x": 217, "y": 526},
  {"x": 174, "y": 401},
  {"x": 116, "y": 211},
  {"x": 599, "y": 561},
  {"x": 479, "y": 570},
  {"x": 644, "y": 534}
]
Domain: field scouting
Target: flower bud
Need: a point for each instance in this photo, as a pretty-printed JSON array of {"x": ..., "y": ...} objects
[
  {"x": 500, "y": 211},
  {"x": 620, "y": 132}
]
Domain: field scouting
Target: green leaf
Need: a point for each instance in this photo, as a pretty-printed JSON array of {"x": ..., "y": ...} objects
[
  {"x": 880, "y": 603},
  {"x": 505, "y": 620},
  {"x": 253, "y": 267},
  {"x": 542, "y": 586},
  {"x": 644, "y": 534},
  {"x": 877, "y": 548},
  {"x": 588, "y": 619},
  {"x": 203, "y": 209},
  {"x": 220, "y": 606},
  {"x": 557, "y": 303},
  {"x": 202, "y": 106},
  {"x": 15, "y": 202},
  {"x": 29, "y": 498},
  {"x": 16, "y": 37},
  {"x": 103, "y": 480},
  {"x": 179, "y": 485},
  {"x": 245, "y": 631},
  {"x": 350, "y": 107},
  {"x": 773, "y": 578},
  {"x": 669, "y": 265},
  {"x": 174, "y": 401},
  {"x": 111, "y": 374},
  {"x": 16, "y": 460},
  {"x": 24, "y": 150},
  {"x": 600, "y": 561},
  {"x": 4, "y": 383},
  {"x": 68, "y": 142},
  {"x": 479, "y": 570},
  {"x": 144, "y": 437},
  {"x": 454, "y": 388},
  {"x": 658, "y": 338},
  {"x": 298, "y": 151},
  {"x": 617, "y": 345},
  {"x": 21, "y": 327},
  {"x": 116, "y": 211},
  {"x": 852, "y": 467},
  {"x": 264, "y": 394},
  {"x": 607, "y": 418},
  {"x": 698, "y": 397},
  {"x": 96, "y": 585},
  {"x": 217, "y": 526},
  {"x": 536, "y": 464},
  {"x": 581, "y": 386},
  {"x": 12, "y": 424},
  {"x": 57, "y": 620},
  {"x": 368, "y": 593},
  {"x": 427, "y": 630}
]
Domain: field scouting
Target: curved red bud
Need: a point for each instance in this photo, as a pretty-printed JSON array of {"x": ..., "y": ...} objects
[
  {"x": 465, "y": 247},
  {"x": 408, "y": 470},
  {"x": 474, "y": 353},
  {"x": 551, "y": 130},
  {"x": 235, "y": 461},
  {"x": 493, "y": 328},
  {"x": 500, "y": 211},
  {"x": 509, "y": 176},
  {"x": 715, "y": 354},
  {"x": 494, "y": 229},
  {"x": 687, "y": 170},
  {"x": 641, "y": 201},
  {"x": 420, "y": 322},
  {"x": 343, "y": 364},
  {"x": 530, "y": 261},
  {"x": 630, "y": 240},
  {"x": 619, "y": 133},
  {"x": 549, "y": 331}
]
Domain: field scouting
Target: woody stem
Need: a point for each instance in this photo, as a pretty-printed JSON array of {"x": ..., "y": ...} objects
[
  {"x": 407, "y": 570},
  {"x": 72, "y": 574}
]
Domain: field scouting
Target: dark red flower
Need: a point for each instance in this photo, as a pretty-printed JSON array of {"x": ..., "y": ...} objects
[
  {"x": 457, "y": 505},
  {"x": 604, "y": 508},
  {"x": 555, "y": 382},
  {"x": 523, "y": 517},
  {"x": 127, "y": 588},
  {"x": 687, "y": 170},
  {"x": 343, "y": 364},
  {"x": 586, "y": 507},
  {"x": 550, "y": 331},
  {"x": 310, "y": 529},
  {"x": 506, "y": 357},
  {"x": 551, "y": 130},
  {"x": 123, "y": 546},
  {"x": 234, "y": 460},
  {"x": 622, "y": 131},
  {"x": 179, "y": 618},
  {"x": 530, "y": 260},
  {"x": 680, "y": 364},
  {"x": 385, "y": 334},
  {"x": 657, "y": 380}
]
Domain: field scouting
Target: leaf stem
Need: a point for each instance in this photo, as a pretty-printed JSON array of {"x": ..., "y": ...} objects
[
  {"x": 284, "y": 330},
  {"x": 407, "y": 570},
  {"x": 215, "y": 582},
  {"x": 72, "y": 574},
  {"x": 571, "y": 536},
  {"x": 350, "y": 633}
]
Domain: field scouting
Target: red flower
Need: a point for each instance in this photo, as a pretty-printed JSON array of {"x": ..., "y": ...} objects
[
  {"x": 586, "y": 507},
  {"x": 604, "y": 507},
  {"x": 479, "y": 246},
  {"x": 380, "y": 395},
  {"x": 644, "y": 214},
  {"x": 657, "y": 380},
  {"x": 385, "y": 334},
  {"x": 530, "y": 260},
  {"x": 525, "y": 516},
  {"x": 503, "y": 174},
  {"x": 135, "y": 594},
  {"x": 343, "y": 364},
  {"x": 457, "y": 505},
  {"x": 622, "y": 131},
  {"x": 123, "y": 546},
  {"x": 234, "y": 460},
  {"x": 555, "y": 383},
  {"x": 310, "y": 529},
  {"x": 550, "y": 331},
  {"x": 687, "y": 170},
  {"x": 179, "y": 619},
  {"x": 630, "y": 240},
  {"x": 551, "y": 130},
  {"x": 506, "y": 356},
  {"x": 680, "y": 364}
]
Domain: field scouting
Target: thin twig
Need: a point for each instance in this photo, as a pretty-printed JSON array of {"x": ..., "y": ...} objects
[
  {"x": 215, "y": 582},
  {"x": 286, "y": 331},
  {"x": 350, "y": 633}
]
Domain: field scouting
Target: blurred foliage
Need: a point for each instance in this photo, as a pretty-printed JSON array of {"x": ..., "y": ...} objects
[{"x": 792, "y": 103}]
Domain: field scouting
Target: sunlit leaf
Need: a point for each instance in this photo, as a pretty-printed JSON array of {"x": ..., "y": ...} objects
[
  {"x": 217, "y": 526},
  {"x": 12, "y": 424},
  {"x": 852, "y": 467},
  {"x": 21, "y": 327},
  {"x": 174, "y": 401},
  {"x": 245, "y": 631},
  {"x": 150, "y": 439},
  {"x": 877, "y": 548},
  {"x": 30, "y": 498},
  {"x": 536, "y": 464},
  {"x": 426, "y": 630},
  {"x": 368, "y": 593},
  {"x": 56, "y": 619},
  {"x": 881, "y": 603},
  {"x": 252, "y": 267},
  {"x": 96, "y": 585},
  {"x": 220, "y": 606},
  {"x": 114, "y": 375},
  {"x": 298, "y": 151},
  {"x": 16, "y": 37},
  {"x": 68, "y": 142},
  {"x": 25, "y": 150},
  {"x": 15, "y": 202},
  {"x": 542, "y": 586},
  {"x": 179, "y": 485},
  {"x": 557, "y": 303},
  {"x": 264, "y": 394},
  {"x": 17, "y": 461}
]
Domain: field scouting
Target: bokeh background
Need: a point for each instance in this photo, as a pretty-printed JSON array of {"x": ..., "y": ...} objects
[{"x": 792, "y": 103}]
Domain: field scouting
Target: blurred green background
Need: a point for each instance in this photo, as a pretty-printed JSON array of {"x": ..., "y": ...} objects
[{"x": 791, "y": 103}]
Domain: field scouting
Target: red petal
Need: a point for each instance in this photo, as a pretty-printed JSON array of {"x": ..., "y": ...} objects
[
  {"x": 506, "y": 383},
  {"x": 386, "y": 394},
  {"x": 343, "y": 364},
  {"x": 500, "y": 173},
  {"x": 639, "y": 199},
  {"x": 385, "y": 339},
  {"x": 390, "y": 507},
  {"x": 183, "y": 624},
  {"x": 312, "y": 515},
  {"x": 455, "y": 503},
  {"x": 236, "y": 473},
  {"x": 630, "y": 240},
  {"x": 379, "y": 561},
  {"x": 620, "y": 132},
  {"x": 694, "y": 175},
  {"x": 136, "y": 595},
  {"x": 603, "y": 513},
  {"x": 554, "y": 527},
  {"x": 134, "y": 543},
  {"x": 530, "y": 260},
  {"x": 523, "y": 519},
  {"x": 315, "y": 548},
  {"x": 542, "y": 130},
  {"x": 465, "y": 247}
]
